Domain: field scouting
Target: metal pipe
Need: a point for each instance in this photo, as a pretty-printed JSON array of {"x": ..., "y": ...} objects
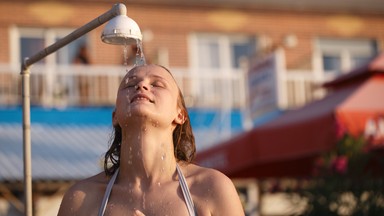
[
  {"x": 25, "y": 75},
  {"x": 117, "y": 9}
]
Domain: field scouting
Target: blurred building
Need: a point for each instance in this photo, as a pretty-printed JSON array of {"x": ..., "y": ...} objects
[{"x": 210, "y": 46}]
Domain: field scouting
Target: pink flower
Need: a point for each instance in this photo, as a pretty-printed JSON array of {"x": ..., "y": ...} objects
[
  {"x": 340, "y": 129},
  {"x": 340, "y": 164}
]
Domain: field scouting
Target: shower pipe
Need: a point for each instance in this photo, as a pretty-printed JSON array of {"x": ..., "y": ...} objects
[{"x": 114, "y": 36}]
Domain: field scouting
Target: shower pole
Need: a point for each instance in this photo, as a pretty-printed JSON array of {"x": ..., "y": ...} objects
[{"x": 117, "y": 9}]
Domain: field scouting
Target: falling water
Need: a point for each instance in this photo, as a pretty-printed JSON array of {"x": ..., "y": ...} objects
[
  {"x": 140, "y": 58},
  {"x": 139, "y": 55},
  {"x": 143, "y": 201},
  {"x": 125, "y": 52},
  {"x": 130, "y": 156}
]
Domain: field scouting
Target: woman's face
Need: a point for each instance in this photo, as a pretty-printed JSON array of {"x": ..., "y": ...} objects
[{"x": 148, "y": 91}]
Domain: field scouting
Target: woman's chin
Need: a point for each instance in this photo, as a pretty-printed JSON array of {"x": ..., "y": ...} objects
[{"x": 139, "y": 112}]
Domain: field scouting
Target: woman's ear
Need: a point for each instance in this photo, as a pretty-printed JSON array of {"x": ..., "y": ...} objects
[
  {"x": 114, "y": 118},
  {"x": 180, "y": 118}
]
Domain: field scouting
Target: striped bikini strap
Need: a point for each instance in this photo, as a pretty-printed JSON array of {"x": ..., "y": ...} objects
[
  {"x": 186, "y": 193},
  {"x": 107, "y": 193}
]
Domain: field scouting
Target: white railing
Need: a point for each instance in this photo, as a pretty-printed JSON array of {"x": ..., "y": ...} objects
[
  {"x": 302, "y": 87},
  {"x": 96, "y": 85}
]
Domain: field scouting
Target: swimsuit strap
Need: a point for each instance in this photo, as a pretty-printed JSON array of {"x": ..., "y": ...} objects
[
  {"x": 186, "y": 193},
  {"x": 182, "y": 182},
  {"x": 107, "y": 193}
]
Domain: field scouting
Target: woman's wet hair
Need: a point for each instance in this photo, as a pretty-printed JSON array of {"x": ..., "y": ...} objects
[{"x": 183, "y": 139}]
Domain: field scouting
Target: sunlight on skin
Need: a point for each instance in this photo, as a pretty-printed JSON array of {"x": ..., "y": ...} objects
[{"x": 138, "y": 213}]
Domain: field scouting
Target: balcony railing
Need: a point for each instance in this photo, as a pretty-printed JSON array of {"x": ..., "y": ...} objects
[{"x": 96, "y": 85}]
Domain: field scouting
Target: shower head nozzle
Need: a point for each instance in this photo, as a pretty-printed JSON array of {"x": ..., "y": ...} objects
[{"x": 121, "y": 30}]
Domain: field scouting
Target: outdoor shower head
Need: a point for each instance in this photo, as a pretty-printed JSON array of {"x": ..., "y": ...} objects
[{"x": 121, "y": 30}]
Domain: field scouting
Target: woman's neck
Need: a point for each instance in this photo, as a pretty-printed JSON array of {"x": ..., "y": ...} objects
[{"x": 147, "y": 154}]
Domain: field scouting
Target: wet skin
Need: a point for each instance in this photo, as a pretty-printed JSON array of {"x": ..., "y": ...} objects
[{"x": 147, "y": 111}]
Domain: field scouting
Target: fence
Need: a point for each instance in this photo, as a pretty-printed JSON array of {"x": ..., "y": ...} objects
[{"x": 96, "y": 85}]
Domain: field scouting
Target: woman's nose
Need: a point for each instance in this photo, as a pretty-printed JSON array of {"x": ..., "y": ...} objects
[{"x": 142, "y": 85}]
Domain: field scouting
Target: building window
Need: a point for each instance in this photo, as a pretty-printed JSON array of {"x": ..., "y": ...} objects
[
  {"x": 29, "y": 46},
  {"x": 51, "y": 83},
  {"x": 208, "y": 53},
  {"x": 241, "y": 50},
  {"x": 217, "y": 51},
  {"x": 341, "y": 55},
  {"x": 216, "y": 62},
  {"x": 31, "y": 40}
]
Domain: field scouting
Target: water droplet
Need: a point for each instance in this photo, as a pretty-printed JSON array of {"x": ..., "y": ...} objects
[
  {"x": 163, "y": 156},
  {"x": 155, "y": 124},
  {"x": 144, "y": 200},
  {"x": 158, "y": 184},
  {"x": 130, "y": 156}
]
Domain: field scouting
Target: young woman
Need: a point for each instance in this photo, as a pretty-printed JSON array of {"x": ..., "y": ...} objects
[{"x": 148, "y": 169}]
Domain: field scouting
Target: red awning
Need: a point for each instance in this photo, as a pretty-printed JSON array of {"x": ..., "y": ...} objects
[
  {"x": 287, "y": 145},
  {"x": 367, "y": 103}
]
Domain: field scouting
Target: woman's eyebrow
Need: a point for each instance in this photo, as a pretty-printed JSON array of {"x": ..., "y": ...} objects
[
  {"x": 131, "y": 77},
  {"x": 159, "y": 77},
  {"x": 153, "y": 76}
]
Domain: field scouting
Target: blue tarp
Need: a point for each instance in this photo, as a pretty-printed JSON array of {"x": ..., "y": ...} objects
[{"x": 102, "y": 116}]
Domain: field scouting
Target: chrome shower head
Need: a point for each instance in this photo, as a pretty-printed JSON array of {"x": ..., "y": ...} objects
[{"x": 121, "y": 30}]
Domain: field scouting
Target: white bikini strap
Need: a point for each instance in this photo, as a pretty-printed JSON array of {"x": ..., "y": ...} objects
[
  {"x": 107, "y": 193},
  {"x": 186, "y": 193}
]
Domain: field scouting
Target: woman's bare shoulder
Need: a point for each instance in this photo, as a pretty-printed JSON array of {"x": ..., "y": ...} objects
[
  {"x": 211, "y": 187},
  {"x": 83, "y": 194},
  {"x": 89, "y": 185},
  {"x": 206, "y": 176}
]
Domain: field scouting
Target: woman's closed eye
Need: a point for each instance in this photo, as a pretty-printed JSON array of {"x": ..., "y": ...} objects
[
  {"x": 130, "y": 85},
  {"x": 158, "y": 84},
  {"x": 130, "y": 82}
]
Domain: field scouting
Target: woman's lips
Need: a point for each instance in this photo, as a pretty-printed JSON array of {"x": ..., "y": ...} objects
[{"x": 141, "y": 97}]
